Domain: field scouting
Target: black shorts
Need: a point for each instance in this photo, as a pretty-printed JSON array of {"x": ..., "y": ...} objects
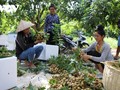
[{"x": 97, "y": 54}]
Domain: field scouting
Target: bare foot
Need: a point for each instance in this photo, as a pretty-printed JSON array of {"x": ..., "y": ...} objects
[
  {"x": 31, "y": 65},
  {"x": 26, "y": 63}
]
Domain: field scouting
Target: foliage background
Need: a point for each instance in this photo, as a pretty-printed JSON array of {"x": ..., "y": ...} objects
[{"x": 74, "y": 15}]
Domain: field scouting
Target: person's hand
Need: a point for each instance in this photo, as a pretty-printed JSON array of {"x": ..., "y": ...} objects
[
  {"x": 38, "y": 41},
  {"x": 74, "y": 48},
  {"x": 85, "y": 57},
  {"x": 81, "y": 53}
]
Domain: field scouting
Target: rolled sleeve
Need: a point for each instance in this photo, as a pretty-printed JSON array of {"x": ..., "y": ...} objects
[{"x": 91, "y": 47}]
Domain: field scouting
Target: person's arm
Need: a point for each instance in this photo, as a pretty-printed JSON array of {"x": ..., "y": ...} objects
[
  {"x": 20, "y": 41},
  {"x": 92, "y": 46},
  {"x": 104, "y": 54},
  {"x": 31, "y": 41}
]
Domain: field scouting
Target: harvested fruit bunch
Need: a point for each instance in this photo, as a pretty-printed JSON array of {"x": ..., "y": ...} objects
[
  {"x": 73, "y": 83},
  {"x": 77, "y": 82},
  {"x": 53, "y": 68},
  {"x": 61, "y": 62},
  {"x": 40, "y": 36},
  {"x": 97, "y": 84},
  {"x": 93, "y": 82},
  {"x": 76, "y": 77},
  {"x": 4, "y": 52}
]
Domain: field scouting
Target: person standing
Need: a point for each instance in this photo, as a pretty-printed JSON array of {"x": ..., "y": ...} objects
[
  {"x": 25, "y": 42},
  {"x": 118, "y": 47},
  {"x": 50, "y": 20}
]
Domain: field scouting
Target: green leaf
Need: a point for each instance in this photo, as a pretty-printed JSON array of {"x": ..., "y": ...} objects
[{"x": 31, "y": 87}]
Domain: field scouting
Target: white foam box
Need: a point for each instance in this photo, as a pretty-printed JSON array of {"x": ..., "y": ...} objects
[
  {"x": 8, "y": 73},
  {"x": 3, "y": 40},
  {"x": 11, "y": 41},
  {"x": 48, "y": 51},
  {"x": 51, "y": 50},
  {"x": 8, "y": 41}
]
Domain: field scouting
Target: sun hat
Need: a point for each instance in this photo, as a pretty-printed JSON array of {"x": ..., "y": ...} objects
[{"x": 24, "y": 25}]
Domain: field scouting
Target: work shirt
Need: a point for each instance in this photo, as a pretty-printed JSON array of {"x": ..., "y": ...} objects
[
  {"x": 50, "y": 21},
  {"x": 23, "y": 42},
  {"x": 105, "y": 52}
]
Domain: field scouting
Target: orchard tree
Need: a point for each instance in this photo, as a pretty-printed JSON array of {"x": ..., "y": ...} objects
[
  {"x": 7, "y": 21},
  {"x": 36, "y": 10},
  {"x": 93, "y": 12},
  {"x": 88, "y": 13}
]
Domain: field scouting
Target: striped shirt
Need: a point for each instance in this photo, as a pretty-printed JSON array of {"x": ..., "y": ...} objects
[{"x": 50, "y": 21}]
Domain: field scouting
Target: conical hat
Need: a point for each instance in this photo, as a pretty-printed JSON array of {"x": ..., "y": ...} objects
[{"x": 24, "y": 25}]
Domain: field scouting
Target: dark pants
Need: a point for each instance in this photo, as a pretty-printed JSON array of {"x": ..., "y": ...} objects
[
  {"x": 31, "y": 53},
  {"x": 52, "y": 40},
  {"x": 97, "y": 54}
]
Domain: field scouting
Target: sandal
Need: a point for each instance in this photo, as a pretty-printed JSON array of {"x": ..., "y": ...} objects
[{"x": 116, "y": 58}]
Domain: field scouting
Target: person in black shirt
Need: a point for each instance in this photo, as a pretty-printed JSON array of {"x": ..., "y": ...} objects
[{"x": 25, "y": 42}]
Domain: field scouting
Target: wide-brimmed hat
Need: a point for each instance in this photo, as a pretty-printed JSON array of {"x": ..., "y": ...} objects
[{"x": 24, "y": 25}]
